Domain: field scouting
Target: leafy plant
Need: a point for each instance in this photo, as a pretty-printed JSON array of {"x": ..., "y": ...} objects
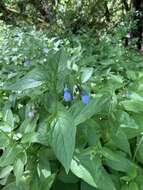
[{"x": 71, "y": 112}]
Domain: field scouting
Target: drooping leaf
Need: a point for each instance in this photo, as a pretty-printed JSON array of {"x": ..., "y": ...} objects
[
  {"x": 91, "y": 171},
  {"x": 33, "y": 79},
  {"x": 95, "y": 106},
  {"x": 117, "y": 161},
  {"x": 63, "y": 133}
]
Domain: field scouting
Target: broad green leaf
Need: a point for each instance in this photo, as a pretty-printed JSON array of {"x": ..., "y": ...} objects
[
  {"x": 92, "y": 131},
  {"x": 86, "y": 74},
  {"x": 86, "y": 112},
  {"x": 33, "y": 79},
  {"x": 10, "y": 155},
  {"x": 120, "y": 139},
  {"x": 90, "y": 170},
  {"x": 127, "y": 124},
  {"x": 114, "y": 82},
  {"x": 135, "y": 106},
  {"x": 117, "y": 161},
  {"x": 4, "y": 172},
  {"x": 62, "y": 137}
]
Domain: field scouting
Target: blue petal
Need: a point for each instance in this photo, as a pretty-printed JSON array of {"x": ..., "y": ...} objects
[
  {"x": 85, "y": 97},
  {"x": 67, "y": 95}
]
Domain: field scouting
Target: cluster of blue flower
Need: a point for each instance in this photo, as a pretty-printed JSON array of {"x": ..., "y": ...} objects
[{"x": 68, "y": 96}]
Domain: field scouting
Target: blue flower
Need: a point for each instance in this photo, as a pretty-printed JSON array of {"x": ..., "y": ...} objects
[
  {"x": 67, "y": 95},
  {"x": 85, "y": 97}
]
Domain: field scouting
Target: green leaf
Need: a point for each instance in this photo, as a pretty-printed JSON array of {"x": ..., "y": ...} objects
[
  {"x": 33, "y": 79},
  {"x": 10, "y": 155},
  {"x": 44, "y": 164},
  {"x": 90, "y": 170},
  {"x": 47, "y": 182},
  {"x": 133, "y": 186},
  {"x": 62, "y": 72},
  {"x": 28, "y": 126},
  {"x": 65, "y": 186},
  {"x": 120, "y": 139},
  {"x": 140, "y": 181},
  {"x": 4, "y": 172},
  {"x": 18, "y": 170},
  {"x": 4, "y": 138},
  {"x": 139, "y": 120},
  {"x": 85, "y": 186},
  {"x": 86, "y": 112},
  {"x": 127, "y": 124},
  {"x": 133, "y": 105},
  {"x": 63, "y": 133},
  {"x": 70, "y": 178},
  {"x": 8, "y": 118},
  {"x": 5, "y": 127},
  {"x": 13, "y": 186},
  {"x": 125, "y": 187},
  {"x": 92, "y": 131},
  {"x": 117, "y": 161},
  {"x": 29, "y": 137},
  {"x": 86, "y": 74}
]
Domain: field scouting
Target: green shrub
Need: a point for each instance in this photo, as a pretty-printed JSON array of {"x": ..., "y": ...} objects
[{"x": 51, "y": 137}]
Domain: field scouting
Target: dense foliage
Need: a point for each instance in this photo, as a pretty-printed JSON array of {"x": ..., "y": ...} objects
[{"x": 71, "y": 97}]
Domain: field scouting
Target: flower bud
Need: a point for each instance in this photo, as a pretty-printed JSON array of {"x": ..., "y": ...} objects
[{"x": 67, "y": 95}]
